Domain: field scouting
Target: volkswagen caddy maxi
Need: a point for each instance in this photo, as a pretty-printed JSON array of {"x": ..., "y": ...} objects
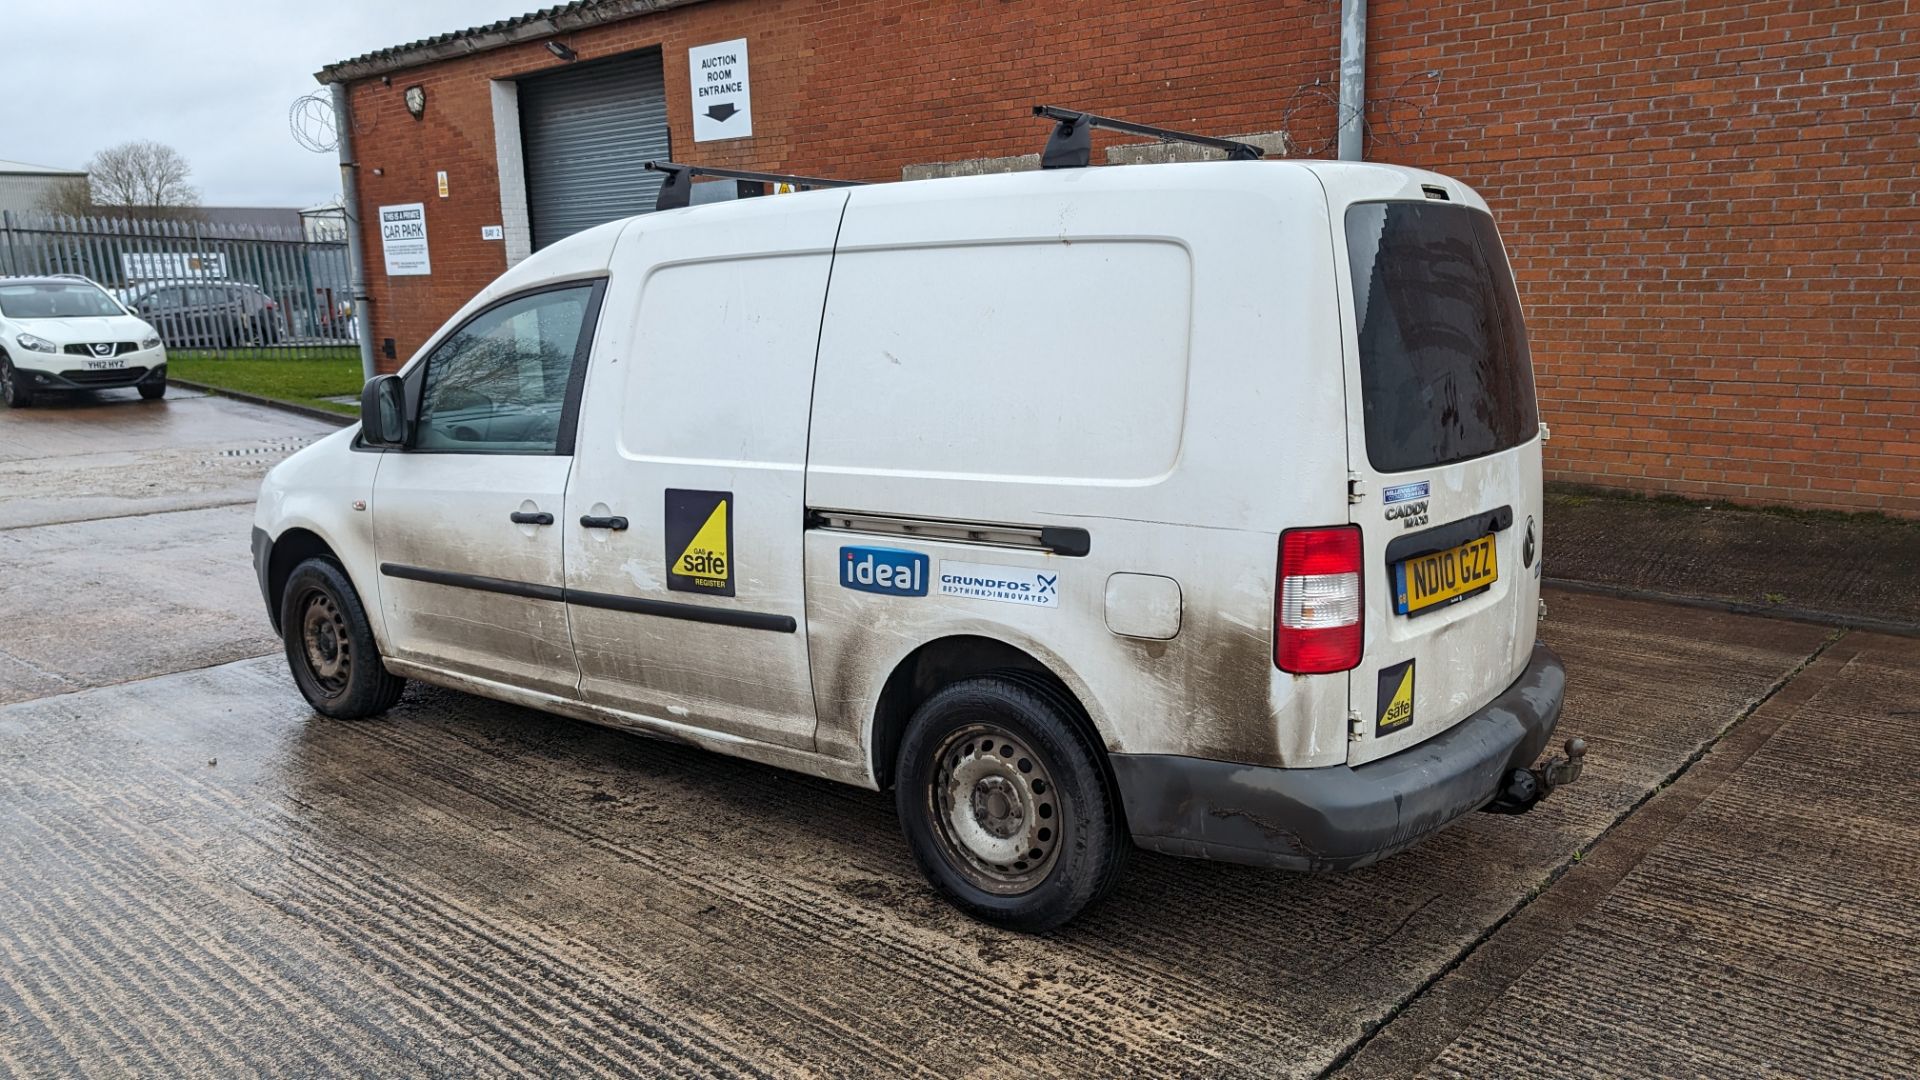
[{"x": 1193, "y": 506}]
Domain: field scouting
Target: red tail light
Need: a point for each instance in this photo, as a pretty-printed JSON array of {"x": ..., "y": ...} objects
[{"x": 1319, "y": 620}]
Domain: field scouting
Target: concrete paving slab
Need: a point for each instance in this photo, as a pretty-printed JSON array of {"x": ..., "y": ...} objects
[
  {"x": 97, "y": 602},
  {"x": 205, "y": 878},
  {"x": 1772, "y": 932}
]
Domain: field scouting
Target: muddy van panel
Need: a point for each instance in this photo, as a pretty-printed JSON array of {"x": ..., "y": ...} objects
[{"x": 1341, "y": 817}]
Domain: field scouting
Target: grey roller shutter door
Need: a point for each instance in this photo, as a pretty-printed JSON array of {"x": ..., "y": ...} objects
[{"x": 587, "y": 133}]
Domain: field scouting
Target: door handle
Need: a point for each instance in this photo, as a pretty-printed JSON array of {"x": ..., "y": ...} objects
[
  {"x": 615, "y": 522},
  {"x": 522, "y": 518}
]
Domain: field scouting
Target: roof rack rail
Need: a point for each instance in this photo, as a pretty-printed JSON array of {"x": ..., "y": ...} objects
[
  {"x": 678, "y": 189},
  {"x": 1070, "y": 146}
]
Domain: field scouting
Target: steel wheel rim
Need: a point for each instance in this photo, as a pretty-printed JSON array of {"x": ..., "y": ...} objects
[
  {"x": 324, "y": 642},
  {"x": 995, "y": 809}
]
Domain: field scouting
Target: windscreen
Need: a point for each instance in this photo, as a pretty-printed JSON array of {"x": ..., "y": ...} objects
[
  {"x": 63, "y": 301},
  {"x": 1444, "y": 369}
]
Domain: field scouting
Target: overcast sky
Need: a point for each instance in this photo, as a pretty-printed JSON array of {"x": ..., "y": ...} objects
[{"x": 211, "y": 78}]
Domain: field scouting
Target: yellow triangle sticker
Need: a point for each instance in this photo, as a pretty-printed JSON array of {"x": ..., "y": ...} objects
[
  {"x": 706, "y": 555},
  {"x": 1398, "y": 711}
]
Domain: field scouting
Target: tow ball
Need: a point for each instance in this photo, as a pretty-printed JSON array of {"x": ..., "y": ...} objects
[{"x": 1520, "y": 789}]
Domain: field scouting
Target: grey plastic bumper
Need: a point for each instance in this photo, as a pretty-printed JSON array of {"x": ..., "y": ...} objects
[
  {"x": 1340, "y": 817},
  {"x": 262, "y": 559}
]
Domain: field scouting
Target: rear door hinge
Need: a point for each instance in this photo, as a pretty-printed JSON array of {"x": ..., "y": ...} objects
[
  {"x": 1356, "y": 489},
  {"x": 1356, "y": 728}
]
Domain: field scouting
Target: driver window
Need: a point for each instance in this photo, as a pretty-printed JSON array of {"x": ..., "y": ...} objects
[{"x": 498, "y": 385}]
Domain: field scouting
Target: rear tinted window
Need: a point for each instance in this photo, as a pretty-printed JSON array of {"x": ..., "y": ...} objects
[{"x": 1444, "y": 369}]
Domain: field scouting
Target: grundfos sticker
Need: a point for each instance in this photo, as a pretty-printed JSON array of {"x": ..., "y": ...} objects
[
  {"x": 1007, "y": 584},
  {"x": 1396, "y": 699}
]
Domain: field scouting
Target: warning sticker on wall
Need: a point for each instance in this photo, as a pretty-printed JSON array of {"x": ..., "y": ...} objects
[
  {"x": 1396, "y": 699},
  {"x": 699, "y": 528}
]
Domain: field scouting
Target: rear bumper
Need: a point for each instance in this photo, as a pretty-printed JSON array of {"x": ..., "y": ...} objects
[{"x": 1340, "y": 817}]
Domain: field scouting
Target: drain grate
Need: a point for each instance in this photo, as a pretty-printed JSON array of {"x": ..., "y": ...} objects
[{"x": 278, "y": 446}]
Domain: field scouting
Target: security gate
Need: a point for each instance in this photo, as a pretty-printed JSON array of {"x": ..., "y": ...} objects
[{"x": 587, "y": 132}]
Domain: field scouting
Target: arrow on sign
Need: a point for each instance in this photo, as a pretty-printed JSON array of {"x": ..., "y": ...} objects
[{"x": 723, "y": 110}]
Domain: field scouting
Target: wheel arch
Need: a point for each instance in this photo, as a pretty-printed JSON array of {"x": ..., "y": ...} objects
[
  {"x": 291, "y": 548},
  {"x": 945, "y": 660}
]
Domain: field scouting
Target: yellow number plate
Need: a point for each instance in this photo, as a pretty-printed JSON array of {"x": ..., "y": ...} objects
[{"x": 1444, "y": 576}]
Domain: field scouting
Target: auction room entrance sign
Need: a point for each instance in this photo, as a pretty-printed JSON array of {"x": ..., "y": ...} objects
[
  {"x": 403, "y": 236},
  {"x": 722, "y": 96}
]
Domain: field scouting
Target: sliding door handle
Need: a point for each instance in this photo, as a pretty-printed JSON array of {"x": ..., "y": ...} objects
[
  {"x": 521, "y": 517},
  {"x": 615, "y": 522}
]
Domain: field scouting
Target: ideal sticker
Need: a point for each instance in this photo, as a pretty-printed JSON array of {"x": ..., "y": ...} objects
[
  {"x": 1396, "y": 699},
  {"x": 889, "y": 571},
  {"x": 700, "y": 541}
]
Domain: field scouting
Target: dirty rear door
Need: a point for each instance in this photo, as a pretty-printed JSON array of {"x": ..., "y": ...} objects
[{"x": 1444, "y": 449}]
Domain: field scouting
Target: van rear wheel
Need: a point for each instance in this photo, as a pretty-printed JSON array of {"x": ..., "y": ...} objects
[
  {"x": 330, "y": 645},
  {"x": 1006, "y": 805}
]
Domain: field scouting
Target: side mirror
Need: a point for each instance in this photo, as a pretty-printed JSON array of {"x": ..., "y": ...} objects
[{"x": 383, "y": 412}]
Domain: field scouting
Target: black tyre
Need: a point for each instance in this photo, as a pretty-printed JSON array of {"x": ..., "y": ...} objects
[
  {"x": 153, "y": 390},
  {"x": 330, "y": 644},
  {"x": 14, "y": 390},
  {"x": 1006, "y": 802}
]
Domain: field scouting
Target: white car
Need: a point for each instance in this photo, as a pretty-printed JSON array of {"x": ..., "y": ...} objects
[
  {"x": 66, "y": 333},
  {"x": 1194, "y": 507}
]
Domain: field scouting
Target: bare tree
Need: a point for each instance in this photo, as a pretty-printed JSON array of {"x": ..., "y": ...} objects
[
  {"x": 70, "y": 197},
  {"x": 143, "y": 174}
]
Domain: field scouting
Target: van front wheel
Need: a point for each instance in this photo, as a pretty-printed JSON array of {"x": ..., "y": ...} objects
[
  {"x": 330, "y": 645},
  {"x": 1005, "y": 803}
]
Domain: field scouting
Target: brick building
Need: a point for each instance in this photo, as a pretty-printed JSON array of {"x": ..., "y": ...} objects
[{"x": 1713, "y": 207}]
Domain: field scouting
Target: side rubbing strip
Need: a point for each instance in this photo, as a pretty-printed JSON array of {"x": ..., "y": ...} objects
[
  {"x": 748, "y": 620},
  {"x": 751, "y": 620},
  {"x": 474, "y": 581}
]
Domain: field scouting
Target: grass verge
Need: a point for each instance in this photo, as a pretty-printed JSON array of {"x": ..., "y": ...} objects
[{"x": 303, "y": 381}]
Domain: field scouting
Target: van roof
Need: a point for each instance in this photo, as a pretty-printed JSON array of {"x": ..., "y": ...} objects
[{"x": 1343, "y": 181}]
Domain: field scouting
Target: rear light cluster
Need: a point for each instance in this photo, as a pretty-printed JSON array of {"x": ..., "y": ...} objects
[{"x": 1319, "y": 620}]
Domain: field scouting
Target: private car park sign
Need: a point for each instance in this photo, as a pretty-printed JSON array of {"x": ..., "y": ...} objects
[
  {"x": 403, "y": 237},
  {"x": 722, "y": 98}
]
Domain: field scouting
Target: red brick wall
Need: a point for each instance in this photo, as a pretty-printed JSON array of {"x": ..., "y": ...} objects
[{"x": 1712, "y": 207}]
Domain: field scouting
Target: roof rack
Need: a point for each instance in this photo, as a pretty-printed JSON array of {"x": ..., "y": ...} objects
[
  {"x": 1070, "y": 146},
  {"x": 678, "y": 189}
]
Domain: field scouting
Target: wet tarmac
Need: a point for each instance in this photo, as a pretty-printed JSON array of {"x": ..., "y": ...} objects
[{"x": 200, "y": 877}]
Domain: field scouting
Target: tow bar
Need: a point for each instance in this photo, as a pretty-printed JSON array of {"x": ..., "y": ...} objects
[{"x": 1522, "y": 788}]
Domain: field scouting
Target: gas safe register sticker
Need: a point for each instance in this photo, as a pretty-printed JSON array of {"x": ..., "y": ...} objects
[
  {"x": 700, "y": 541},
  {"x": 1396, "y": 699}
]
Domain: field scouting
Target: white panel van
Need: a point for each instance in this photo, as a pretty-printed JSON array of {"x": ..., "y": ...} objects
[{"x": 1194, "y": 507}]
